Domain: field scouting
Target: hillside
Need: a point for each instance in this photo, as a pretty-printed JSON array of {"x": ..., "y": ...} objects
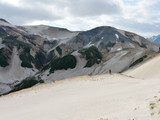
[
  {"x": 148, "y": 70},
  {"x": 101, "y": 97},
  {"x": 31, "y": 55}
]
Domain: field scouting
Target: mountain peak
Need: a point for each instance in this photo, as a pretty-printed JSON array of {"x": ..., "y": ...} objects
[
  {"x": 3, "y": 20},
  {"x": 155, "y": 39}
]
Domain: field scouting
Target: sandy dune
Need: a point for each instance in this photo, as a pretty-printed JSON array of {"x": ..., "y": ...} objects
[
  {"x": 149, "y": 70},
  {"x": 101, "y": 97}
]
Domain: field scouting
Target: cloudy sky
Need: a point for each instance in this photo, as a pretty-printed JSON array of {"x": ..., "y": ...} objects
[{"x": 139, "y": 16}]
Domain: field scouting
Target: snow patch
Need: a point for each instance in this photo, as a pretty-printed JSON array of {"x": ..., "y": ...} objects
[
  {"x": 121, "y": 32},
  {"x": 119, "y": 49},
  {"x": 117, "y": 36},
  {"x": 89, "y": 45}
]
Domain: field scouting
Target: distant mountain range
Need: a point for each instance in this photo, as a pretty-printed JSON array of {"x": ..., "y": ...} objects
[
  {"x": 31, "y": 55},
  {"x": 155, "y": 39}
]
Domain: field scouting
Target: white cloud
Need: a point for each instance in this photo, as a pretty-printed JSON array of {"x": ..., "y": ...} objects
[
  {"x": 140, "y": 16},
  {"x": 145, "y": 11},
  {"x": 12, "y": 2}
]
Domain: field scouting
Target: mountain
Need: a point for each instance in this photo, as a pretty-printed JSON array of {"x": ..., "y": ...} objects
[
  {"x": 155, "y": 39},
  {"x": 31, "y": 55},
  {"x": 131, "y": 96}
]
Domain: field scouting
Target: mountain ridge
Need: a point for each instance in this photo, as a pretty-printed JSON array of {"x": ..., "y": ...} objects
[
  {"x": 40, "y": 54},
  {"x": 155, "y": 39}
]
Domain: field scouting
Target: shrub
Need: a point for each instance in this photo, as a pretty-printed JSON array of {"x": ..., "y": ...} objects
[
  {"x": 68, "y": 61},
  {"x": 46, "y": 67},
  {"x": 92, "y": 55},
  {"x": 11, "y": 40},
  {"x": 39, "y": 60},
  {"x": 27, "y": 83},
  {"x": 26, "y": 59},
  {"x": 26, "y": 64},
  {"x": 3, "y": 59},
  {"x": 25, "y": 56},
  {"x": 27, "y": 49},
  {"x": 50, "y": 56},
  {"x": 59, "y": 50},
  {"x": 2, "y": 32},
  {"x": 110, "y": 44},
  {"x": 138, "y": 61}
]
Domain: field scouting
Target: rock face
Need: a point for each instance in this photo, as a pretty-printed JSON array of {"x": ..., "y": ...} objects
[{"x": 38, "y": 54}]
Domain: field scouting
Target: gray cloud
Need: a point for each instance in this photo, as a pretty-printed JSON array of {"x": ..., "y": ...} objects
[
  {"x": 81, "y": 7},
  {"x": 141, "y": 16},
  {"x": 51, "y": 10},
  {"x": 144, "y": 29},
  {"x": 93, "y": 8},
  {"x": 18, "y": 15}
]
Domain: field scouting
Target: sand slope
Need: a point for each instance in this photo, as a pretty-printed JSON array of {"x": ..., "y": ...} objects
[
  {"x": 100, "y": 97},
  {"x": 103, "y": 97},
  {"x": 148, "y": 70}
]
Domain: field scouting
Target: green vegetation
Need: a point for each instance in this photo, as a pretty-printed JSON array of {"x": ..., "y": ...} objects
[
  {"x": 155, "y": 108},
  {"x": 152, "y": 114},
  {"x": 127, "y": 48},
  {"x": 41, "y": 81},
  {"x": 143, "y": 45},
  {"x": 59, "y": 50},
  {"x": 66, "y": 62},
  {"x": 110, "y": 44},
  {"x": 27, "y": 83},
  {"x": 51, "y": 55},
  {"x": 26, "y": 58},
  {"x": 39, "y": 59},
  {"x": 138, "y": 61},
  {"x": 159, "y": 112},
  {"x": 46, "y": 67},
  {"x": 11, "y": 40},
  {"x": 26, "y": 49},
  {"x": 3, "y": 59},
  {"x": 51, "y": 43},
  {"x": 152, "y": 106},
  {"x": 92, "y": 55},
  {"x": 2, "y": 32}
]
